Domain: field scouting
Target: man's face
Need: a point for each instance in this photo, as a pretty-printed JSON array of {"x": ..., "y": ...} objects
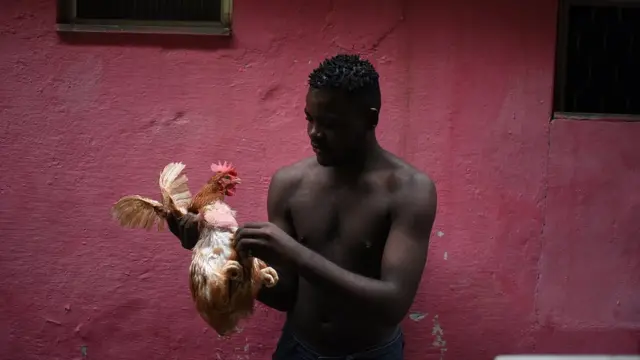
[{"x": 336, "y": 129}]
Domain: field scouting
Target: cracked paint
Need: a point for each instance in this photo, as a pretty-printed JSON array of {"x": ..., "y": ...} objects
[
  {"x": 417, "y": 316},
  {"x": 438, "y": 337}
]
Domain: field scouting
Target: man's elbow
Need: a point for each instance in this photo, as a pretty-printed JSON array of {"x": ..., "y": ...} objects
[
  {"x": 393, "y": 315},
  {"x": 394, "y": 309}
]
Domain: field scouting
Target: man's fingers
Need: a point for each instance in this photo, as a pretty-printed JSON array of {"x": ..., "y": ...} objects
[
  {"x": 255, "y": 225},
  {"x": 248, "y": 246},
  {"x": 247, "y": 243},
  {"x": 249, "y": 233}
]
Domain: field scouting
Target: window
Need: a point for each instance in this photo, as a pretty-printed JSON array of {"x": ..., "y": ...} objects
[
  {"x": 598, "y": 59},
  {"x": 146, "y": 16}
]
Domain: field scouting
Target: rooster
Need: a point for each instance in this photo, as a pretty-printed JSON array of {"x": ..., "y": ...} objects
[{"x": 223, "y": 285}]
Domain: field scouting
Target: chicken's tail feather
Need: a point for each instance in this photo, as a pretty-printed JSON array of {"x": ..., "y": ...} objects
[
  {"x": 175, "y": 190},
  {"x": 139, "y": 212}
]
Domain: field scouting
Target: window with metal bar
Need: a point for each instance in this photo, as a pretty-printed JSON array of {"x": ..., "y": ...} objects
[{"x": 598, "y": 59}]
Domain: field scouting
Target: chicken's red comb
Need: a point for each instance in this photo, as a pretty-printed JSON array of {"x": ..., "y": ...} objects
[{"x": 223, "y": 168}]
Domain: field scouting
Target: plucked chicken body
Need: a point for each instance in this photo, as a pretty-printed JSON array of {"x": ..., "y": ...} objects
[{"x": 223, "y": 285}]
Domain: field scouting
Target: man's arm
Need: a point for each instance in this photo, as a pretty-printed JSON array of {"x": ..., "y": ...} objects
[
  {"x": 403, "y": 260},
  {"x": 185, "y": 228},
  {"x": 281, "y": 297}
]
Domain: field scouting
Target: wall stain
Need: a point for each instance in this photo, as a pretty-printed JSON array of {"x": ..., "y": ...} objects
[
  {"x": 438, "y": 334},
  {"x": 417, "y": 316}
]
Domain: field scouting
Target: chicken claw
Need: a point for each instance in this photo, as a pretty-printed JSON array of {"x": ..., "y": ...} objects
[
  {"x": 269, "y": 277},
  {"x": 233, "y": 270}
]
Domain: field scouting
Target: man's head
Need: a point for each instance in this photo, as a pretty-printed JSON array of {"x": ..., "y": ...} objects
[{"x": 342, "y": 107}]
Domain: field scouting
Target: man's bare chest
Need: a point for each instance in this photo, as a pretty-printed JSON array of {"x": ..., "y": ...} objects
[{"x": 348, "y": 227}]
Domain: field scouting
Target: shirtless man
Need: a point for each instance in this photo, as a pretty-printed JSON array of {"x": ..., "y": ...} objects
[{"x": 348, "y": 228}]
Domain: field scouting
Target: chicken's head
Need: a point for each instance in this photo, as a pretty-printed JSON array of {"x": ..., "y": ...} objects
[{"x": 225, "y": 177}]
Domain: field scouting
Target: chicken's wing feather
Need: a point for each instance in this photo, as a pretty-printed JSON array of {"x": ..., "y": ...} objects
[
  {"x": 174, "y": 188},
  {"x": 139, "y": 212}
]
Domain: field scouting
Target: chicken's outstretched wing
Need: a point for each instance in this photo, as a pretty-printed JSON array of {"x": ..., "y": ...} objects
[{"x": 135, "y": 211}]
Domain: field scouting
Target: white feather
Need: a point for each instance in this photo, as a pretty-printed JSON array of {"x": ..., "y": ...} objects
[{"x": 174, "y": 188}]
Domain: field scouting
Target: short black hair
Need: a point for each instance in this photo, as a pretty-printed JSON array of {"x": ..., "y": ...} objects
[{"x": 351, "y": 74}]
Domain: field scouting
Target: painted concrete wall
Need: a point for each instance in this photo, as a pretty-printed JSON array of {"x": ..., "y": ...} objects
[{"x": 536, "y": 246}]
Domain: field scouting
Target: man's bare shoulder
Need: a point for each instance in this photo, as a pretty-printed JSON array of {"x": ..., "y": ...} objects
[
  {"x": 287, "y": 178},
  {"x": 413, "y": 187},
  {"x": 293, "y": 173}
]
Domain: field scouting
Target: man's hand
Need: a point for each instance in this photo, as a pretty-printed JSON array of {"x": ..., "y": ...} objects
[
  {"x": 184, "y": 228},
  {"x": 265, "y": 240}
]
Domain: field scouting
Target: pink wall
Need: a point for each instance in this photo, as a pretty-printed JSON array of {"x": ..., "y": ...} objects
[{"x": 535, "y": 248}]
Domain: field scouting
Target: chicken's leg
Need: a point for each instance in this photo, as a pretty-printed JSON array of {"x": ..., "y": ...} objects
[{"x": 269, "y": 277}]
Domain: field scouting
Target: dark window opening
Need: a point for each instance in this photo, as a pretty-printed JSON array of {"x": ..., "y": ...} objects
[
  {"x": 147, "y": 10},
  {"x": 197, "y": 17},
  {"x": 598, "y": 60}
]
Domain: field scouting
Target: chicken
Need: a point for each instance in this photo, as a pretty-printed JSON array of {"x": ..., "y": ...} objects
[{"x": 223, "y": 285}]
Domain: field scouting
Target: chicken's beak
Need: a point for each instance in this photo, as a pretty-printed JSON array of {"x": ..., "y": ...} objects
[{"x": 236, "y": 181}]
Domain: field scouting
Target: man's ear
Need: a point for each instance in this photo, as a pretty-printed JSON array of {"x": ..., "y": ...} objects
[{"x": 373, "y": 117}]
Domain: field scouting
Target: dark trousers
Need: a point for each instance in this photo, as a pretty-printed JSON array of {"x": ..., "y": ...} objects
[{"x": 290, "y": 348}]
